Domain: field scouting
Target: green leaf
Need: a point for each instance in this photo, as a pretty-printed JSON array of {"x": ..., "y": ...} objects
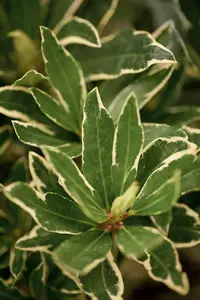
[
  {"x": 52, "y": 108},
  {"x": 97, "y": 136},
  {"x": 61, "y": 10},
  {"x": 159, "y": 199},
  {"x": 163, "y": 221},
  {"x": 114, "y": 58},
  {"x": 25, "y": 16},
  {"x": 89, "y": 249},
  {"x": 190, "y": 178},
  {"x": 184, "y": 115},
  {"x": 37, "y": 136},
  {"x": 104, "y": 282},
  {"x": 10, "y": 294},
  {"x": 17, "y": 262},
  {"x": 157, "y": 151},
  {"x": 157, "y": 194},
  {"x": 144, "y": 88},
  {"x": 5, "y": 138},
  {"x": 40, "y": 240},
  {"x": 152, "y": 131},
  {"x": 185, "y": 226},
  {"x": 127, "y": 146},
  {"x": 31, "y": 78},
  {"x": 156, "y": 253},
  {"x": 53, "y": 212},
  {"x": 43, "y": 176},
  {"x": 17, "y": 103},
  {"x": 78, "y": 31},
  {"x": 122, "y": 203},
  {"x": 75, "y": 184},
  {"x": 66, "y": 77}
]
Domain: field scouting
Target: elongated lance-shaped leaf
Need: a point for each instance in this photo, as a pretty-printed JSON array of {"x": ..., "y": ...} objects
[
  {"x": 54, "y": 213},
  {"x": 78, "y": 31},
  {"x": 36, "y": 136},
  {"x": 185, "y": 226},
  {"x": 31, "y": 78},
  {"x": 75, "y": 184},
  {"x": 40, "y": 240},
  {"x": 38, "y": 279},
  {"x": 152, "y": 198},
  {"x": 45, "y": 180},
  {"x": 147, "y": 246},
  {"x": 17, "y": 262},
  {"x": 97, "y": 136},
  {"x": 52, "y": 108},
  {"x": 127, "y": 146},
  {"x": 157, "y": 151},
  {"x": 153, "y": 131},
  {"x": 144, "y": 88},
  {"x": 66, "y": 76},
  {"x": 5, "y": 138},
  {"x": 127, "y": 52},
  {"x": 24, "y": 108},
  {"x": 81, "y": 254},
  {"x": 122, "y": 203},
  {"x": 163, "y": 221},
  {"x": 104, "y": 282}
]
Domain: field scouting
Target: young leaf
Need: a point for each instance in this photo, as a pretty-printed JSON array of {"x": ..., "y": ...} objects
[
  {"x": 37, "y": 136},
  {"x": 153, "y": 131},
  {"x": 43, "y": 176},
  {"x": 122, "y": 203},
  {"x": 78, "y": 31},
  {"x": 66, "y": 77},
  {"x": 5, "y": 138},
  {"x": 157, "y": 151},
  {"x": 52, "y": 108},
  {"x": 104, "y": 282},
  {"x": 54, "y": 213},
  {"x": 75, "y": 184},
  {"x": 40, "y": 240},
  {"x": 17, "y": 262},
  {"x": 163, "y": 221},
  {"x": 156, "y": 253},
  {"x": 83, "y": 253},
  {"x": 144, "y": 88},
  {"x": 31, "y": 78},
  {"x": 161, "y": 199},
  {"x": 97, "y": 136},
  {"x": 185, "y": 226},
  {"x": 114, "y": 58},
  {"x": 127, "y": 146}
]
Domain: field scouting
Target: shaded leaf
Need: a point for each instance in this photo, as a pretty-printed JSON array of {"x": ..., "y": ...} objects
[{"x": 31, "y": 78}]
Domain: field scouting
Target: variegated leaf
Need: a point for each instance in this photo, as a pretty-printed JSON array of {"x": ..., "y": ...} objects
[
  {"x": 45, "y": 180},
  {"x": 158, "y": 255},
  {"x": 38, "y": 279},
  {"x": 124, "y": 53},
  {"x": 104, "y": 282},
  {"x": 81, "y": 254},
  {"x": 54, "y": 213},
  {"x": 185, "y": 226},
  {"x": 17, "y": 262},
  {"x": 153, "y": 131},
  {"x": 193, "y": 134},
  {"x": 163, "y": 221},
  {"x": 40, "y": 240},
  {"x": 97, "y": 137},
  {"x": 8, "y": 293},
  {"x": 144, "y": 88},
  {"x": 31, "y": 78},
  {"x": 127, "y": 146},
  {"x": 66, "y": 77},
  {"x": 5, "y": 138},
  {"x": 184, "y": 115},
  {"x": 78, "y": 31}
]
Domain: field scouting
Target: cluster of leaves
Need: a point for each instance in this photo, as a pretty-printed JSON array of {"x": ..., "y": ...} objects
[{"x": 112, "y": 154}]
